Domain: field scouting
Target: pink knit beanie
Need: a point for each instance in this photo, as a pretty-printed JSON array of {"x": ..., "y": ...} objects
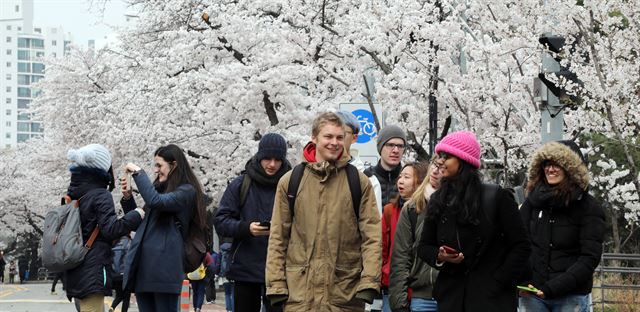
[{"x": 462, "y": 144}]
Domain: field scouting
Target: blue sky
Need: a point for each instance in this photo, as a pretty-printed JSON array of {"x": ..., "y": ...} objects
[{"x": 80, "y": 18}]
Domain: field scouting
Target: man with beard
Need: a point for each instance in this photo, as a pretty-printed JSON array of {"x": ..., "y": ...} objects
[{"x": 244, "y": 214}]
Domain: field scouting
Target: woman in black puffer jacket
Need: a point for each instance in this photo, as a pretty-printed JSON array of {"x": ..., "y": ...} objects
[
  {"x": 566, "y": 226},
  {"x": 91, "y": 184}
]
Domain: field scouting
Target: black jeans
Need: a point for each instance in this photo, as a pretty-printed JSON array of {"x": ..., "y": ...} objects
[
  {"x": 56, "y": 278},
  {"x": 247, "y": 297}
]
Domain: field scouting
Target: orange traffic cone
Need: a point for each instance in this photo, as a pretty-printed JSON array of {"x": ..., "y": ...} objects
[{"x": 184, "y": 296}]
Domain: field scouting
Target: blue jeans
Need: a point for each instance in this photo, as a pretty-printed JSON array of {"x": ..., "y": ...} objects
[
  {"x": 423, "y": 305},
  {"x": 158, "y": 302},
  {"x": 572, "y": 303},
  {"x": 198, "y": 293},
  {"x": 228, "y": 295},
  {"x": 385, "y": 303}
]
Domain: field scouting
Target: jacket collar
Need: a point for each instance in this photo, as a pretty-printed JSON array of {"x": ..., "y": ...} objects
[{"x": 393, "y": 174}]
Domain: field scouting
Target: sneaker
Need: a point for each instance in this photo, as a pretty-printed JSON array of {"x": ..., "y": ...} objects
[
  {"x": 110, "y": 309},
  {"x": 54, "y": 293}
]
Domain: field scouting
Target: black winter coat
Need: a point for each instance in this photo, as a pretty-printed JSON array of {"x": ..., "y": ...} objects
[
  {"x": 155, "y": 259},
  {"x": 567, "y": 245},
  {"x": 96, "y": 208},
  {"x": 387, "y": 181},
  {"x": 495, "y": 252},
  {"x": 248, "y": 253}
]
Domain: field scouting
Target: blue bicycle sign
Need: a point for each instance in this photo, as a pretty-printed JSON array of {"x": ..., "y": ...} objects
[{"x": 367, "y": 125}]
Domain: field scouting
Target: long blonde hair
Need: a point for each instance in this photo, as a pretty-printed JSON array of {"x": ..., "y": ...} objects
[{"x": 418, "y": 195}]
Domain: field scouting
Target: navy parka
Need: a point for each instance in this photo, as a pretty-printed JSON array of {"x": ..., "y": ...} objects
[
  {"x": 154, "y": 262},
  {"x": 97, "y": 208},
  {"x": 248, "y": 253}
]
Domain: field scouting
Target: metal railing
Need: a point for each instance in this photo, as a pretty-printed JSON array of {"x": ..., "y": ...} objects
[{"x": 603, "y": 268}]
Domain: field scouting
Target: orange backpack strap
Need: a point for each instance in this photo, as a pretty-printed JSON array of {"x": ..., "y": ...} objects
[
  {"x": 387, "y": 211},
  {"x": 92, "y": 238},
  {"x": 95, "y": 232}
]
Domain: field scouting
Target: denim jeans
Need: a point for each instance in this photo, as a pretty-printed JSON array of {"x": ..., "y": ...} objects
[
  {"x": 198, "y": 293},
  {"x": 228, "y": 295},
  {"x": 385, "y": 303},
  {"x": 572, "y": 303},
  {"x": 423, "y": 305}
]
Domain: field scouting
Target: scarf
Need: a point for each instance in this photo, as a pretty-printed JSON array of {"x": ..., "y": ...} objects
[{"x": 257, "y": 173}]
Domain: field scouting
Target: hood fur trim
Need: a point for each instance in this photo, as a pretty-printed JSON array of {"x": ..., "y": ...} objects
[{"x": 563, "y": 156}]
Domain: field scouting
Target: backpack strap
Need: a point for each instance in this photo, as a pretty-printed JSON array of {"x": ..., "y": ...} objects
[
  {"x": 244, "y": 189},
  {"x": 353, "y": 178},
  {"x": 96, "y": 230},
  {"x": 489, "y": 195},
  {"x": 294, "y": 184}
]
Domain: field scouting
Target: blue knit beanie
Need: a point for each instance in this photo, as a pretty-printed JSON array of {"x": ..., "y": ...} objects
[{"x": 272, "y": 145}]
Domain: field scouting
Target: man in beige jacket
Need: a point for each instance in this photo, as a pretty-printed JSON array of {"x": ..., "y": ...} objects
[{"x": 321, "y": 256}]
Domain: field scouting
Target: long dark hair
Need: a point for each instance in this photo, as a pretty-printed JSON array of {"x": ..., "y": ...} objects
[
  {"x": 461, "y": 193},
  {"x": 183, "y": 174}
]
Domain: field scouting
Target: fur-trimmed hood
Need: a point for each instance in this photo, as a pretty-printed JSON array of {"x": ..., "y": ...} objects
[{"x": 563, "y": 155}]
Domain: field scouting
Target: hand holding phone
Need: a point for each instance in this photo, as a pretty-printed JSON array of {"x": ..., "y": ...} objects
[
  {"x": 449, "y": 250},
  {"x": 529, "y": 289},
  {"x": 266, "y": 223}
]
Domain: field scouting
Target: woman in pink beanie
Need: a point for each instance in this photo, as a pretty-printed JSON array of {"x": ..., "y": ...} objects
[{"x": 473, "y": 234}]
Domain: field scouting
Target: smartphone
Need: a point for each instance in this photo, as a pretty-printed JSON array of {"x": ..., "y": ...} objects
[
  {"x": 450, "y": 250},
  {"x": 529, "y": 289},
  {"x": 266, "y": 223},
  {"x": 128, "y": 179}
]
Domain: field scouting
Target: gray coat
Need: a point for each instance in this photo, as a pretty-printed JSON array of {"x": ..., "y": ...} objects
[{"x": 407, "y": 269}]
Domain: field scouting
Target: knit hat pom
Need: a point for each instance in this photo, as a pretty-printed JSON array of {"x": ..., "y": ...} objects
[{"x": 463, "y": 145}]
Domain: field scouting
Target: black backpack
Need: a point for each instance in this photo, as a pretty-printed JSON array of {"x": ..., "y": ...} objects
[
  {"x": 294, "y": 183},
  {"x": 352, "y": 177}
]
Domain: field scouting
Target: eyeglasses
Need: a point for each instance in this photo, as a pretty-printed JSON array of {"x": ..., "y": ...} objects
[
  {"x": 443, "y": 156},
  {"x": 553, "y": 164},
  {"x": 392, "y": 146}
]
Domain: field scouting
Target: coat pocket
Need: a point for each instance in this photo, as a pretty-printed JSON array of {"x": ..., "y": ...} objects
[
  {"x": 345, "y": 282},
  {"x": 296, "y": 283}
]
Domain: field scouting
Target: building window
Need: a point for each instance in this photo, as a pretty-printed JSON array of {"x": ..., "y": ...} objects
[
  {"x": 8, "y": 64},
  {"x": 8, "y": 39},
  {"x": 22, "y": 137},
  {"x": 35, "y": 78},
  {"x": 24, "y": 92},
  {"x": 8, "y": 51},
  {"x": 8, "y": 76},
  {"x": 8, "y": 27},
  {"x": 37, "y": 30},
  {"x": 23, "y": 80},
  {"x": 8, "y": 112},
  {"x": 7, "y": 135},
  {"x": 23, "y": 116},
  {"x": 23, "y": 55},
  {"x": 24, "y": 68},
  {"x": 8, "y": 100},
  {"x": 23, "y": 127},
  {"x": 7, "y": 124},
  {"x": 38, "y": 68},
  {"x": 24, "y": 42},
  {"x": 36, "y": 127},
  {"x": 54, "y": 43},
  {"x": 23, "y": 103},
  {"x": 37, "y": 43},
  {"x": 53, "y": 54},
  {"x": 17, "y": 8},
  {"x": 8, "y": 89}
]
